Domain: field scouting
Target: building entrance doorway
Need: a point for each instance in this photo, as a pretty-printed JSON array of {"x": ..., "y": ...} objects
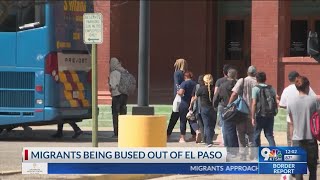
[
  {"x": 233, "y": 35},
  {"x": 235, "y": 43}
]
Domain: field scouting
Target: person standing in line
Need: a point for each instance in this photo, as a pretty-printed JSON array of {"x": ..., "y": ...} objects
[
  {"x": 220, "y": 81},
  {"x": 263, "y": 110},
  {"x": 180, "y": 67},
  {"x": 119, "y": 100},
  {"x": 244, "y": 88},
  {"x": 209, "y": 116},
  {"x": 289, "y": 93},
  {"x": 185, "y": 91},
  {"x": 300, "y": 109},
  {"x": 222, "y": 97},
  {"x": 197, "y": 107}
]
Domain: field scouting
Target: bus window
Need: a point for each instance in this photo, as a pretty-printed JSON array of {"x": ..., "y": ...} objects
[
  {"x": 8, "y": 17},
  {"x": 21, "y": 15}
]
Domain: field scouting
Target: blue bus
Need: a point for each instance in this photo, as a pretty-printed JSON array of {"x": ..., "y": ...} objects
[{"x": 45, "y": 68}]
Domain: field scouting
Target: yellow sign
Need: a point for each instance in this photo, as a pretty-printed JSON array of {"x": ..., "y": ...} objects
[{"x": 75, "y": 6}]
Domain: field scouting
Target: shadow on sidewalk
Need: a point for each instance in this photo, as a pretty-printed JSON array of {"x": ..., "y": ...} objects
[{"x": 45, "y": 136}]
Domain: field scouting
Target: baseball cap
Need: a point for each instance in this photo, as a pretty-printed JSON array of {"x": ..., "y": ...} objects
[
  {"x": 252, "y": 70},
  {"x": 293, "y": 75}
]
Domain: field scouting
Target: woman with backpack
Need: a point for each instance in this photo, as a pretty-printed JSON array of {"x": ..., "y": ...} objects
[
  {"x": 180, "y": 67},
  {"x": 208, "y": 115},
  {"x": 196, "y": 107}
]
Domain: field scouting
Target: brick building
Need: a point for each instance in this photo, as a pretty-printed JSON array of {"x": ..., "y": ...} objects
[{"x": 271, "y": 35}]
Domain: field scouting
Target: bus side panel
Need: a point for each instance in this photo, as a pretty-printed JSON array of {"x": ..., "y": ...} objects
[
  {"x": 32, "y": 44},
  {"x": 8, "y": 50}
]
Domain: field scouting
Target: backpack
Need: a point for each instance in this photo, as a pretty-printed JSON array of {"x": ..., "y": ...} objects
[
  {"x": 266, "y": 104},
  {"x": 315, "y": 125},
  {"x": 127, "y": 83},
  {"x": 196, "y": 104}
]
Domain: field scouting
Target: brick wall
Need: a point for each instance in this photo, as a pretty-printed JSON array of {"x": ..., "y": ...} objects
[
  {"x": 264, "y": 38},
  {"x": 178, "y": 29},
  {"x": 103, "y": 53},
  {"x": 284, "y": 38},
  {"x": 306, "y": 66}
]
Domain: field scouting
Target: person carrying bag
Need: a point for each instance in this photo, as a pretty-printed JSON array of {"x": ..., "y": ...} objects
[{"x": 238, "y": 110}]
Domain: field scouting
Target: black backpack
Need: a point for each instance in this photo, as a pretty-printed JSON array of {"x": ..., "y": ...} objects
[{"x": 267, "y": 103}]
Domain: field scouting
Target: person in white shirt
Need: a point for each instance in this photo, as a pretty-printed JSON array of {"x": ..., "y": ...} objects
[{"x": 291, "y": 92}]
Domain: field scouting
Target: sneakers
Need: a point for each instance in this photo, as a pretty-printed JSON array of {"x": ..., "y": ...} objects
[
  {"x": 76, "y": 134},
  {"x": 60, "y": 135},
  {"x": 182, "y": 140},
  {"x": 210, "y": 145}
]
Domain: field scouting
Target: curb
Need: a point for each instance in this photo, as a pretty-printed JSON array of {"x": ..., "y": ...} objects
[
  {"x": 122, "y": 177},
  {"x": 7, "y": 173}
]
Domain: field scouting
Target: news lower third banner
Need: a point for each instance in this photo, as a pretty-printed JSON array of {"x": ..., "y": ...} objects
[{"x": 268, "y": 160}]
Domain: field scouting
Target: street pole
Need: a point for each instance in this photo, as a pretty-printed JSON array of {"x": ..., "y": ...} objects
[
  {"x": 144, "y": 59},
  {"x": 144, "y": 28},
  {"x": 94, "y": 96}
]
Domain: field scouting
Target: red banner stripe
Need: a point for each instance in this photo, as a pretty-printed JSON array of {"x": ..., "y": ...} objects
[{"x": 26, "y": 154}]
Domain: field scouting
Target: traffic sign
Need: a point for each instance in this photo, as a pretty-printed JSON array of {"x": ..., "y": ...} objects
[{"x": 92, "y": 28}]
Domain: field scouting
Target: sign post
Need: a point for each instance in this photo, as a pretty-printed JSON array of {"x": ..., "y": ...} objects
[{"x": 93, "y": 34}]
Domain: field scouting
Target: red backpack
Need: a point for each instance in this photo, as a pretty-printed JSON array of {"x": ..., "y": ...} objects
[{"x": 315, "y": 125}]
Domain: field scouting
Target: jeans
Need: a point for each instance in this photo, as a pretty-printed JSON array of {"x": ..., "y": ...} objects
[
  {"x": 220, "y": 121},
  {"x": 119, "y": 106},
  {"x": 173, "y": 121},
  {"x": 245, "y": 128},
  {"x": 230, "y": 136},
  {"x": 201, "y": 127},
  {"x": 311, "y": 147},
  {"x": 289, "y": 138},
  {"x": 265, "y": 124},
  {"x": 183, "y": 111},
  {"x": 209, "y": 121}
]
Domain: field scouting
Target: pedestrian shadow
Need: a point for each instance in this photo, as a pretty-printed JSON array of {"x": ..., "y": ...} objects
[{"x": 45, "y": 136}]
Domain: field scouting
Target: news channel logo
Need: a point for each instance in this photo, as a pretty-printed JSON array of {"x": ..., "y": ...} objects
[{"x": 271, "y": 154}]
